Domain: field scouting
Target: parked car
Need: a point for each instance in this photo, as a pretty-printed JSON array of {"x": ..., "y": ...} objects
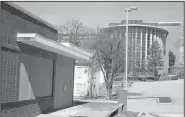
[{"x": 174, "y": 77}]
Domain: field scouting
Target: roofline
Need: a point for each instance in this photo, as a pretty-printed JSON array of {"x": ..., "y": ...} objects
[
  {"x": 122, "y": 25},
  {"x": 165, "y": 22},
  {"x": 39, "y": 41},
  {"x": 82, "y": 50},
  {"x": 25, "y": 12}
]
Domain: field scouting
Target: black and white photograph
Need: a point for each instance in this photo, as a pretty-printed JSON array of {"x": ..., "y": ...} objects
[{"x": 92, "y": 58}]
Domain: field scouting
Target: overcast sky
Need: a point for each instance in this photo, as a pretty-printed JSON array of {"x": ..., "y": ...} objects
[{"x": 102, "y": 13}]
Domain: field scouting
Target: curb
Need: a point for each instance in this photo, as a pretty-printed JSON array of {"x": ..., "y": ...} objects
[
  {"x": 141, "y": 114},
  {"x": 114, "y": 112},
  {"x": 154, "y": 114},
  {"x": 102, "y": 101}
]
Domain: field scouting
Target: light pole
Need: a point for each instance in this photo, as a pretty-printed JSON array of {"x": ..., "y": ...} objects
[{"x": 127, "y": 9}]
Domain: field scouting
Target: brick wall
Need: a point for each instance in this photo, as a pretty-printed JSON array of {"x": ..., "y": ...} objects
[
  {"x": 14, "y": 21},
  {"x": 13, "y": 24}
]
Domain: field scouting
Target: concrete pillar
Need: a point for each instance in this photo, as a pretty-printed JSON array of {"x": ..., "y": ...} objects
[{"x": 122, "y": 100}]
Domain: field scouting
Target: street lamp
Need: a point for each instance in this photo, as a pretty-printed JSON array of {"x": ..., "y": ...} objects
[{"x": 127, "y": 9}]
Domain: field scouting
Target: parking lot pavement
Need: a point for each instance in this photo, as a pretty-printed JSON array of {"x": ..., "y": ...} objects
[
  {"x": 173, "y": 115},
  {"x": 173, "y": 89}
]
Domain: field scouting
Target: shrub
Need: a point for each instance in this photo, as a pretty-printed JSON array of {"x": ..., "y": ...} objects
[
  {"x": 181, "y": 73},
  {"x": 156, "y": 78},
  {"x": 174, "y": 77},
  {"x": 165, "y": 77},
  {"x": 142, "y": 78}
]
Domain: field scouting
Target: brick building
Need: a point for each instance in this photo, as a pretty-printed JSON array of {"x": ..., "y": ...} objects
[{"x": 37, "y": 72}]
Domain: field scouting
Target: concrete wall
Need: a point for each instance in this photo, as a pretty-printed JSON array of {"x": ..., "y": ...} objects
[
  {"x": 80, "y": 80},
  {"x": 64, "y": 82}
]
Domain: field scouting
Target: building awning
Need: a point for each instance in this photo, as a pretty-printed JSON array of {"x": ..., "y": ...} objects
[{"x": 38, "y": 41}]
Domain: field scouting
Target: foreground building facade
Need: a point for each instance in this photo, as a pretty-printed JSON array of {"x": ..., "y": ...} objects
[
  {"x": 140, "y": 37},
  {"x": 37, "y": 72}
]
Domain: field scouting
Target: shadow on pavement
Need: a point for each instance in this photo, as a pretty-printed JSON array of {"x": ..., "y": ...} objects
[{"x": 75, "y": 103}]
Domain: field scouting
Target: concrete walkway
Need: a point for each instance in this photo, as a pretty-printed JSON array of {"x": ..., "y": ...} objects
[{"x": 92, "y": 109}]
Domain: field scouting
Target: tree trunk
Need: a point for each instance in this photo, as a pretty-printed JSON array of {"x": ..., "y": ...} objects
[
  {"x": 109, "y": 82},
  {"x": 92, "y": 91},
  {"x": 109, "y": 92}
]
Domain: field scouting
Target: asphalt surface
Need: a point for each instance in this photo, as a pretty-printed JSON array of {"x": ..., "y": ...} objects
[{"x": 150, "y": 93}]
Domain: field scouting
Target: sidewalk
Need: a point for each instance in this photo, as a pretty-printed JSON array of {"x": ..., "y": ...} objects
[{"x": 91, "y": 109}]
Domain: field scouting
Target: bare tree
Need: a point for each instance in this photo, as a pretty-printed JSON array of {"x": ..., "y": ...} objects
[
  {"x": 109, "y": 54},
  {"x": 70, "y": 31}
]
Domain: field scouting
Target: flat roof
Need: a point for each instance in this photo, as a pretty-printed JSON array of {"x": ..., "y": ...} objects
[
  {"x": 38, "y": 41},
  {"x": 138, "y": 25}
]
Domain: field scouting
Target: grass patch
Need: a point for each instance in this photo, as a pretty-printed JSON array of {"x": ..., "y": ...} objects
[
  {"x": 165, "y": 100},
  {"x": 117, "y": 85}
]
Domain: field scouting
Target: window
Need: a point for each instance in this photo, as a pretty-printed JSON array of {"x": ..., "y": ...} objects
[
  {"x": 144, "y": 31},
  {"x": 80, "y": 71},
  {"x": 134, "y": 30},
  {"x": 139, "y": 30},
  {"x": 138, "y": 40}
]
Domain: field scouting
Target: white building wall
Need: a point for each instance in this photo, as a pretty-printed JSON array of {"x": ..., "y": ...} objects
[{"x": 80, "y": 80}]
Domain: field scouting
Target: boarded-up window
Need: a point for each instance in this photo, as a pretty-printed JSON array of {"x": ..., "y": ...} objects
[
  {"x": 41, "y": 76},
  {"x": 35, "y": 77}
]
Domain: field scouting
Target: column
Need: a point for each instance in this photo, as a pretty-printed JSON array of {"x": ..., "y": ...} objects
[
  {"x": 155, "y": 35},
  {"x": 150, "y": 38},
  {"x": 136, "y": 45},
  {"x": 158, "y": 37},
  {"x": 141, "y": 47},
  {"x": 146, "y": 44}
]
